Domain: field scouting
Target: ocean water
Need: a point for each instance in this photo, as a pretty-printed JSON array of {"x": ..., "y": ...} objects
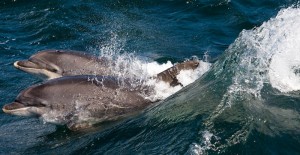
[{"x": 248, "y": 102}]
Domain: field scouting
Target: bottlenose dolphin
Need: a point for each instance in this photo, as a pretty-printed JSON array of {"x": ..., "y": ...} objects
[
  {"x": 80, "y": 101},
  {"x": 57, "y": 63},
  {"x": 52, "y": 64}
]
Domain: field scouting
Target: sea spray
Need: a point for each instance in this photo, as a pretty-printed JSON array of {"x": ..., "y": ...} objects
[
  {"x": 141, "y": 71},
  {"x": 267, "y": 55}
]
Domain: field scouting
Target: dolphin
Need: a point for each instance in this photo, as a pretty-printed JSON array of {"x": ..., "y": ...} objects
[
  {"x": 80, "y": 101},
  {"x": 50, "y": 64}
]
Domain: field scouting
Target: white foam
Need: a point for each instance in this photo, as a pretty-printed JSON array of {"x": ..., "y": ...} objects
[
  {"x": 268, "y": 54},
  {"x": 153, "y": 68},
  {"x": 284, "y": 72},
  {"x": 130, "y": 66},
  {"x": 187, "y": 77},
  {"x": 147, "y": 70},
  {"x": 279, "y": 45},
  {"x": 199, "y": 149},
  {"x": 285, "y": 63}
]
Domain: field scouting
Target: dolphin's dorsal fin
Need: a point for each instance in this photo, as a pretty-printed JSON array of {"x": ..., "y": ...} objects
[{"x": 169, "y": 75}]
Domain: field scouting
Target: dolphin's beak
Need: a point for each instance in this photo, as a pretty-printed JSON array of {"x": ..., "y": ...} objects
[
  {"x": 34, "y": 68},
  {"x": 26, "y": 64},
  {"x": 16, "y": 108},
  {"x": 12, "y": 106}
]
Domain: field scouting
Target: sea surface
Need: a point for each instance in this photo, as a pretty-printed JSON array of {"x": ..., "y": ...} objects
[{"x": 247, "y": 103}]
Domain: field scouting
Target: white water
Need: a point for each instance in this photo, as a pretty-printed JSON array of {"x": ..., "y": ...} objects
[
  {"x": 146, "y": 72},
  {"x": 277, "y": 47},
  {"x": 284, "y": 70},
  {"x": 185, "y": 77},
  {"x": 131, "y": 66},
  {"x": 266, "y": 54}
]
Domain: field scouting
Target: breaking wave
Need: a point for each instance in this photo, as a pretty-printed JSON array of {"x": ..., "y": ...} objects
[{"x": 265, "y": 56}]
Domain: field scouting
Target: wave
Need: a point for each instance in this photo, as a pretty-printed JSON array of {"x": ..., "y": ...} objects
[
  {"x": 272, "y": 54},
  {"x": 259, "y": 58},
  {"x": 252, "y": 88}
]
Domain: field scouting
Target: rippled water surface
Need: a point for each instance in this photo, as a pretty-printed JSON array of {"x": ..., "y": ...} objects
[{"x": 248, "y": 103}]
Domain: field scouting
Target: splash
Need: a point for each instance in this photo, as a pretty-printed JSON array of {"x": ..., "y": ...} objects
[
  {"x": 278, "y": 43},
  {"x": 285, "y": 63},
  {"x": 141, "y": 72},
  {"x": 266, "y": 54},
  {"x": 269, "y": 54}
]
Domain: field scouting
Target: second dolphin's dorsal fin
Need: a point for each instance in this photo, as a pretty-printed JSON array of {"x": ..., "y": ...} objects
[{"x": 169, "y": 75}]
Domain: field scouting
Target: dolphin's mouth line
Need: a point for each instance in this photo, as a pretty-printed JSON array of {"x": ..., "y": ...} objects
[
  {"x": 5, "y": 109},
  {"x": 15, "y": 111},
  {"x": 45, "y": 71},
  {"x": 14, "y": 106},
  {"x": 18, "y": 108},
  {"x": 27, "y": 64},
  {"x": 36, "y": 64}
]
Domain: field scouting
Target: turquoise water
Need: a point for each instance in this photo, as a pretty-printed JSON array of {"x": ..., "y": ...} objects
[{"x": 243, "y": 105}]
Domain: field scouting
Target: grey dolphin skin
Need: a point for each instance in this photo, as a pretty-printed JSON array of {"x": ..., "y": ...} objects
[
  {"x": 52, "y": 64},
  {"x": 79, "y": 101}
]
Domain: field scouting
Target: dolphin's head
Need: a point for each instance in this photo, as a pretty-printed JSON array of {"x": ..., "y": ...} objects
[
  {"x": 53, "y": 101},
  {"x": 52, "y": 64},
  {"x": 26, "y": 104},
  {"x": 44, "y": 64}
]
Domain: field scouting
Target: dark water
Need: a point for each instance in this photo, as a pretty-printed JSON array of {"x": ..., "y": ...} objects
[{"x": 233, "y": 109}]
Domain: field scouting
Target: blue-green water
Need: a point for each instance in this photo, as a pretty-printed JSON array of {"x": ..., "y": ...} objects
[{"x": 243, "y": 105}]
